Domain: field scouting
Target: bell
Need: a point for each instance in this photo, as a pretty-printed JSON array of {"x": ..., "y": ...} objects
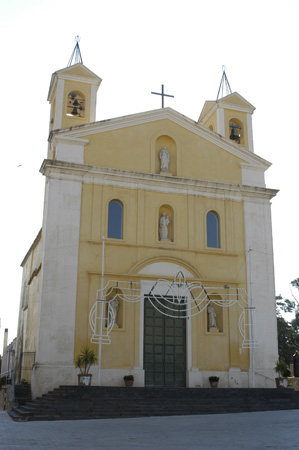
[
  {"x": 76, "y": 103},
  {"x": 74, "y": 112},
  {"x": 234, "y": 135}
]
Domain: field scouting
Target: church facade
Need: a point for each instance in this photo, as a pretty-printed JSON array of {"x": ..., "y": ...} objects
[{"x": 136, "y": 209}]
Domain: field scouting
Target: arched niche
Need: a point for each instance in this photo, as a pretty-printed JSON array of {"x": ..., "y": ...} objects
[
  {"x": 115, "y": 295},
  {"x": 160, "y": 143},
  {"x": 170, "y": 214},
  {"x": 217, "y": 305},
  {"x": 75, "y": 105},
  {"x": 236, "y": 131}
]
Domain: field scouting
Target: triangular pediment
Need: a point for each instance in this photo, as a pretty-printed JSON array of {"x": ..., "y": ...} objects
[
  {"x": 77, "y": 72},
  {"x": 231, "y": 101},
  {"x": 237, "y": 100},
  {"x": 158, "y": 116}
]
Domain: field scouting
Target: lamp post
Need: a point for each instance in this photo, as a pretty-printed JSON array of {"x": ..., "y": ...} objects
[{"x": 101, "y": 300}]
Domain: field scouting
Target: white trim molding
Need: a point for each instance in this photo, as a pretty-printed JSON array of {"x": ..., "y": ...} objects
[{"x": 152, "y": 182}]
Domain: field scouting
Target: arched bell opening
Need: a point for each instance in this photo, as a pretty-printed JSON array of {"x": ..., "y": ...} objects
[
  {"x": 236, "y": 131},
  {"x": 75, "y": 104}
]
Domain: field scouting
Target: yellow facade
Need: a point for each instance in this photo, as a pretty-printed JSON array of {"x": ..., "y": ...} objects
[{"x": 141, "y": 246}]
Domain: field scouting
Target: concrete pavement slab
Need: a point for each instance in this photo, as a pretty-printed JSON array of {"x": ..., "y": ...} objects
[{"x": 248, "y": 431}]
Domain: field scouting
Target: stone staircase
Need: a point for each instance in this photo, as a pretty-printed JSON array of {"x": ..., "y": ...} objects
[
  {"x": 80, "y": 402},
  {"x": 23, "y": 393}
]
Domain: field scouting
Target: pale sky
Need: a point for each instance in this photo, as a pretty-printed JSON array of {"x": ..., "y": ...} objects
[{"x": 136, "y": 46}]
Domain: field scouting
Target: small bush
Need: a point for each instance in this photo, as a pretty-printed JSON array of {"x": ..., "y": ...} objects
[
  {"x": 129, "y": 377},
  {"x": 282, "y": 369},
  {"x": 213, "y": 379}
]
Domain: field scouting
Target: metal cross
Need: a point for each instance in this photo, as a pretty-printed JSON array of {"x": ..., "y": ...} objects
[{"x": 162, "y": 95}]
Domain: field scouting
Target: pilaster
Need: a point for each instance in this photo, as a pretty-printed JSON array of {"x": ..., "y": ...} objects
[
  {"x": 220, "y": 122},
  {"x": 58, "y": 288},
  {"x": 260, "y": 288},
  {"x": 58, "y": 105}
]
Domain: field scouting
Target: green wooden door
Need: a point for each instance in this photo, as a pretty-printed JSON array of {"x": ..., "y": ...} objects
[{"x": 164, "y": 348}]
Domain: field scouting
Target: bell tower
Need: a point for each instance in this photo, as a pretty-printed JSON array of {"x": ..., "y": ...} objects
[
  {"x": 229, "y": 116},
  {"x": 73, "y": 94}
]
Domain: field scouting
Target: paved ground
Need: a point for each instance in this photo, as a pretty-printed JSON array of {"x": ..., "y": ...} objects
[{"x": 263, "y": 430}]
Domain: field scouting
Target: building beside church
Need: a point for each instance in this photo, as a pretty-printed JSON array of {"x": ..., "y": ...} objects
[
  {"x": 182, "y": 205},
  {"x": 8, "y": 356}
]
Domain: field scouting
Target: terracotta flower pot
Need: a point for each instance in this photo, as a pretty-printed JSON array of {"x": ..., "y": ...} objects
[
  {"x": 281, "y": 383},
  {"x": 84, "y": 380}
]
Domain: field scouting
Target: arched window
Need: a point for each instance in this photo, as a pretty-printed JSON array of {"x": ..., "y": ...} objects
[
  {"x": 115, "y": 219},
  {"x": 213, "y": 230}
]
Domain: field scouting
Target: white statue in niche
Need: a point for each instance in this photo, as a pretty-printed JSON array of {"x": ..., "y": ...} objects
[
  {"x": 212, "y": 317},
  {"x": 115, "y": 307},
  {"x": 163, "y": 227},
  {"x": 164, "y": 158}
]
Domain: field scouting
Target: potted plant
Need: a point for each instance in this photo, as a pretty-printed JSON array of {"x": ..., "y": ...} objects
[
  {"x": 83, "y": 361},
  {"x": 129, "y": 379},
  {"x": 283, "y": 372},
  {"x": 213, "y": 381}
]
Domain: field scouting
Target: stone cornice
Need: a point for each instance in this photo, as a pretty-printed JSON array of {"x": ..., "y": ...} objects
[
  {"x": 251, "y": 166},
  {"x": 236, "y": 107},
  {"x": 157, "y": 115},
  {"x": 33, "y": 245},
  {"x": 79, "y": 78},
  {"x": 152, "y": 182}
]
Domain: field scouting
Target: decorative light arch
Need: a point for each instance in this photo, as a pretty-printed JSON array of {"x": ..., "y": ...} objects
[
  {"x": 165, "y": 296},
  {"x": 176, "y": 299}
]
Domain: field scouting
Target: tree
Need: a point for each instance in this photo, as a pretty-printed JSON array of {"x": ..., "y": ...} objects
[
  {"x": 287, "y": 340},
  {"x": 288, "y": 332}
]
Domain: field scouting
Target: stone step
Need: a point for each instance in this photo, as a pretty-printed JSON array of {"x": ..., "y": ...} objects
[{"x": 22, "y": 393}]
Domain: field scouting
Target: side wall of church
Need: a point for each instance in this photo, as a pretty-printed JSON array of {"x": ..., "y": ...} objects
[{"x": 27, "y": 324}]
